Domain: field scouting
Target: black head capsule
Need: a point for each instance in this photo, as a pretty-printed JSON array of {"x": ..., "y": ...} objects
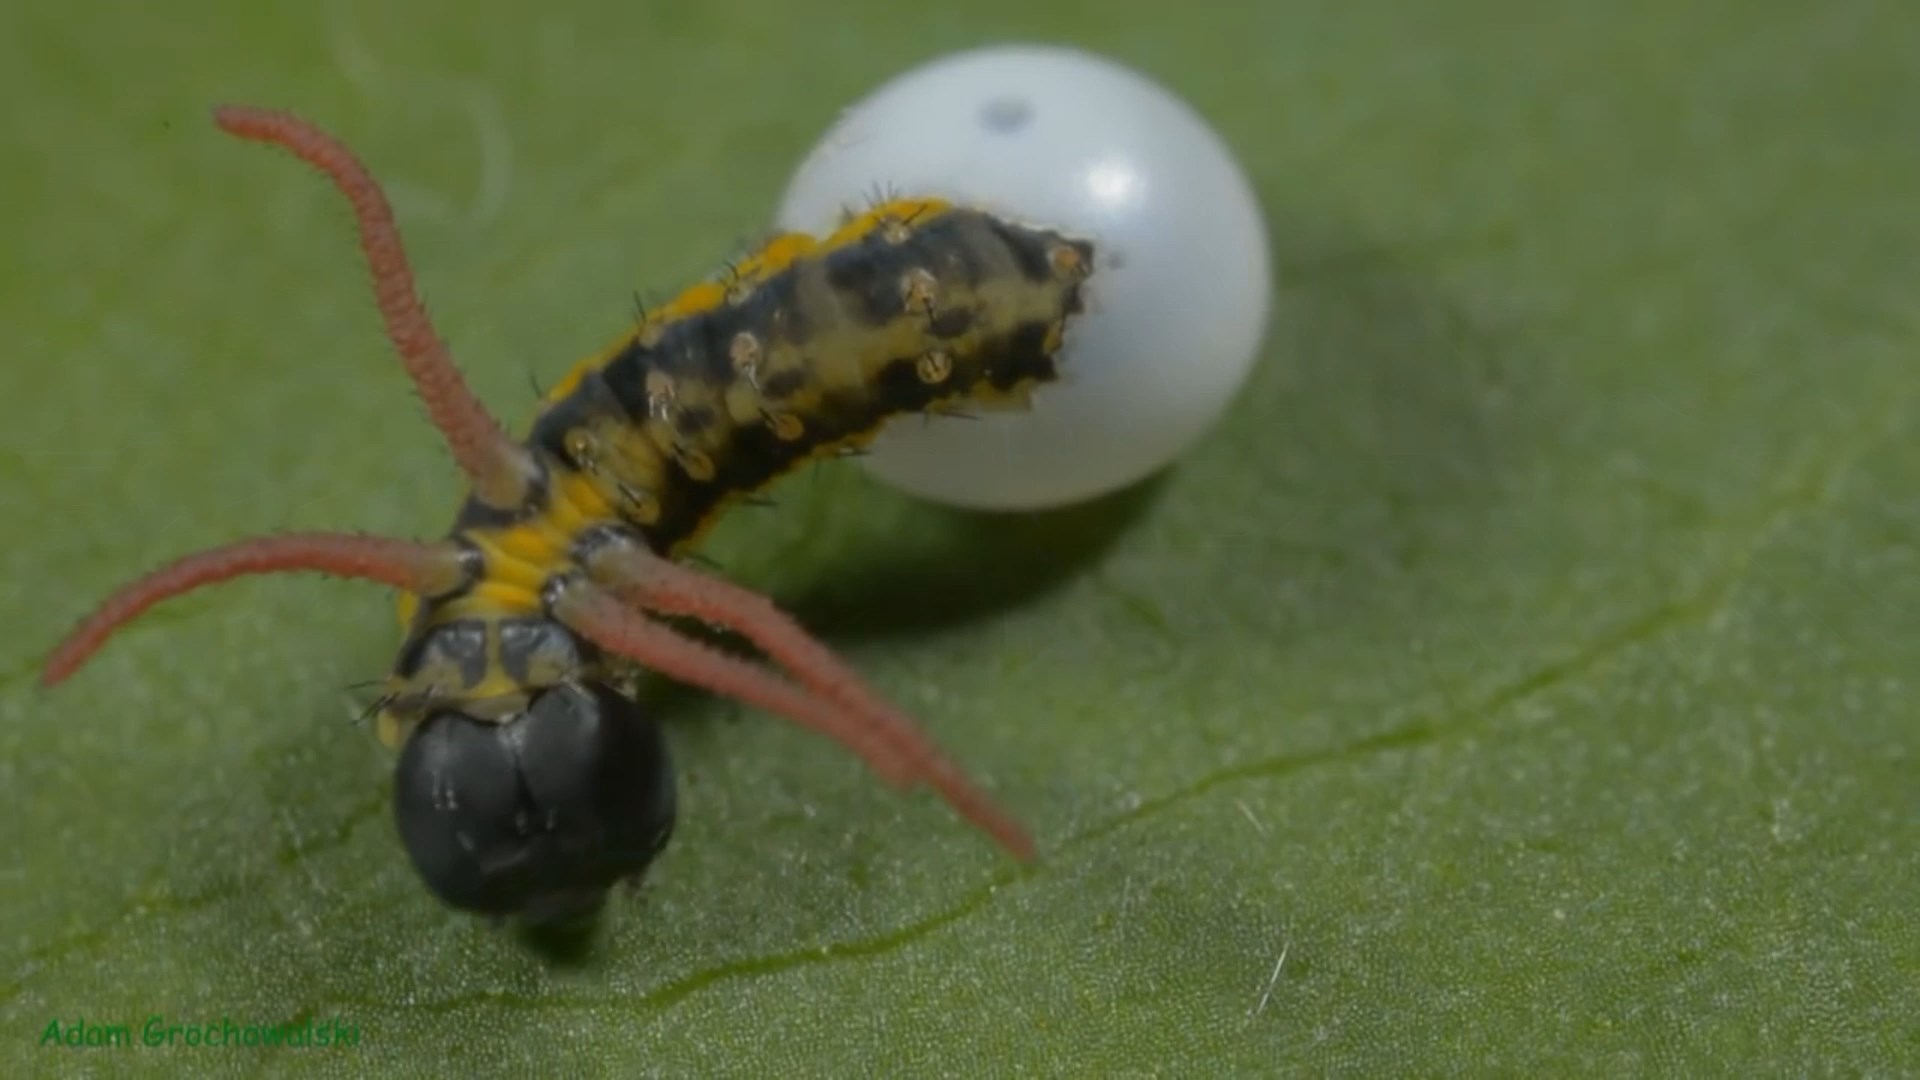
[{"x": 540, "y": 816}]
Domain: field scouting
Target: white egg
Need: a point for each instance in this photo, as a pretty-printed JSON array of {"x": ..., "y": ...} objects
[{"x": 1178, "y": 301}]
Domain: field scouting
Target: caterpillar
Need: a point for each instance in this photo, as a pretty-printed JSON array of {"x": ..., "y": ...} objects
[{"x": 529, "y": 781}]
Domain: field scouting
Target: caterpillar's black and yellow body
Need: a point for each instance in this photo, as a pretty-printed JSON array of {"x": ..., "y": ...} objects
[
  {"x": 804, "y": 349},
  {"x": 530, "y": 779}
]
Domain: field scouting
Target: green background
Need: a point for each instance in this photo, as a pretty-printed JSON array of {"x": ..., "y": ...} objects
[{"x": 1529, "y": 657}]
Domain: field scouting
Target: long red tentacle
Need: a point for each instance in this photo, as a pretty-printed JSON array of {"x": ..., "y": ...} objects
[
  {"x": 427, "y": 569},
  {"x": 659, "y": 585},
  {"x": 603, "y": 619},
  {"x": 496, "y": 466}
]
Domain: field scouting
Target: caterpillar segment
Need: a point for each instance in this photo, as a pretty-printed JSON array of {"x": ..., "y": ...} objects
[{"x": 529, "y": 779}]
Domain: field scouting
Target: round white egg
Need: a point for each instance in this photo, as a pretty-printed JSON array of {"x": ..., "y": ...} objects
[{"x": 1178, "y": 300}]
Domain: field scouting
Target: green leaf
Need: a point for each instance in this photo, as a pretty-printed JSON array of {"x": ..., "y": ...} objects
[{"x": 1521, "y": 680}]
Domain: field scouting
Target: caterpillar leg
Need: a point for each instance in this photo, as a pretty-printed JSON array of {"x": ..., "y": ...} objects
[
  {"x": 500, "y": 470},
  {"x": 424, "y": 569},
  {"x": 899, "y": 754}
]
